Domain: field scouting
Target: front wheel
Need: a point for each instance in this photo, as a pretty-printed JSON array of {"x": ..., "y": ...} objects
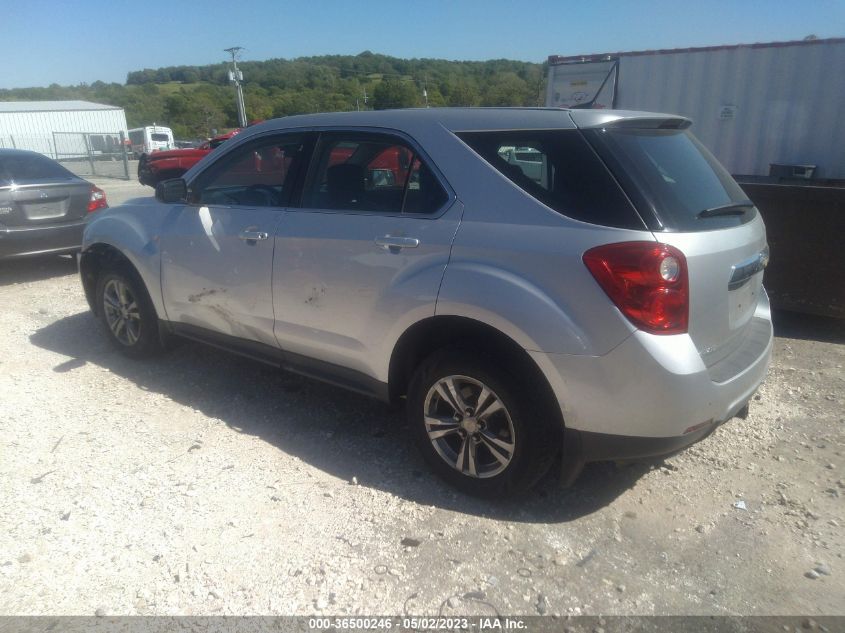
[
  {"x": 480, "y": 427},
  {"x": 128, "y": 313}
]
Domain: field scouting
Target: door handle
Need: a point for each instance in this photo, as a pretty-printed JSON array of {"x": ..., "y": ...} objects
[
  {"x": 395, "y": 244},
  {"x": 253, "y": 236}
]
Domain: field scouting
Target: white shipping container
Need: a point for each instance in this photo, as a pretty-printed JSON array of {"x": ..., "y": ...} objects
[
  {"x": 42, "y": 126},
  {"x": 752, "y": 105}
]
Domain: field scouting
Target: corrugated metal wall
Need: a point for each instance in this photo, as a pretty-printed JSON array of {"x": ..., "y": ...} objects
[
  {"x": 34, "y": 130},
  {"x": 788, "y": 102}
]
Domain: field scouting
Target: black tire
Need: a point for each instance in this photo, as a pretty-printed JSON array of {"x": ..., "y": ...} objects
[
  {"x": 535, "y": 431},
  {"x": 144, "y": 173},
  {"x": 139, "y": 336}
]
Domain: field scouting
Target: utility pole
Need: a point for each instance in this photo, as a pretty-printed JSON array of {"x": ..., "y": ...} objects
[{"x": 236, "y": 77}]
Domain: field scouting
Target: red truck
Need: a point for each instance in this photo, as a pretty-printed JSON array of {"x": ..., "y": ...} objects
[{"x": 158, "y": 166}]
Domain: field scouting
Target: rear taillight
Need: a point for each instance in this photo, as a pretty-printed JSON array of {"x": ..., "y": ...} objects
[
  {"x": 647, "y": 281},
  {"x": 97, "y": 200}
]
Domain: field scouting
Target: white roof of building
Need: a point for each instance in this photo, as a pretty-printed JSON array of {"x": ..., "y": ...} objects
[{"x": 52, "y": 106}]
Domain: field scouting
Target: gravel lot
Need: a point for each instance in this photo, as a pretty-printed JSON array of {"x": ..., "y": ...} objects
[{"x": 203, "y": 483}]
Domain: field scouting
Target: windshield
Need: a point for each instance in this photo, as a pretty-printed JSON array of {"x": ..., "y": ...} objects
[{"x": 673, "y": 175}]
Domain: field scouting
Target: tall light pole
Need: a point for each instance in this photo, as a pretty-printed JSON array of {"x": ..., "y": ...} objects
[{"x": 236, "y": 77}]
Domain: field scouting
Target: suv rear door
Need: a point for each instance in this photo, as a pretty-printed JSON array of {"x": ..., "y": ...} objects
[{"x": 365, "y": 249}]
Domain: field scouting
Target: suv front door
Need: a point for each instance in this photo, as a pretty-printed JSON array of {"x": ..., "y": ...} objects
[{"x": 217, "y": 250}]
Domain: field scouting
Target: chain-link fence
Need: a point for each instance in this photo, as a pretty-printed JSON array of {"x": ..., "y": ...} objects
[
  {"x": 84, "y": 153},
  {"x": 92, "y": 154}
]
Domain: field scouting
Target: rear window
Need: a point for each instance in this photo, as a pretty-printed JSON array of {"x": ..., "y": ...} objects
[
  {"x": 31, "y": 168},
  {"x": 160, "y": 137},
  {"x": 561, "y": 170},
  {"x": 673, "y": 177}
]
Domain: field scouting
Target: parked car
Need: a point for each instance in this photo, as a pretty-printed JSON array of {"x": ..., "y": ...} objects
[
  {"x": 151, "y": 138},
  {"x": 43, "y": 206},
  {"x": 611, "y": 309},
  {"x": 158, "y": 166}
]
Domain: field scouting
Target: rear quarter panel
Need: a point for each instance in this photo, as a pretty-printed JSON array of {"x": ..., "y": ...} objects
[{"x": 516, "y": 264}]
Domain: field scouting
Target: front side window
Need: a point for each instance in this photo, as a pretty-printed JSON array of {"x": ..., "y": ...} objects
[
  {"x": 371, "y": 172},
  {"x": 260, "y": 174},
  {"x": 558, "y": 168}
]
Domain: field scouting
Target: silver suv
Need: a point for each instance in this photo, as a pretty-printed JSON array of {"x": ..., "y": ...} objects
[{"x": 606, "y": 305}]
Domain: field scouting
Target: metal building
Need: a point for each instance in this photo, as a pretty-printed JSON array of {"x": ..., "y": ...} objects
[
  {"x": 61, "y": 129},
  {"x": 754, "y": 105}
]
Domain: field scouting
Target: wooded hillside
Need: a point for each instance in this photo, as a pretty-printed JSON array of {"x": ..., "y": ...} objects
[{"x": 194, "y": 100}]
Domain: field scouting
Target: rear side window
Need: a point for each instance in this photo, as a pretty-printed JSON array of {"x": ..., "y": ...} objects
[
  {"x": 561, "y": 170},
  {"x": 371, "y": 172},
  {"x": 159, "y": 137},
  {"x": 31, "y": 167},
  {"x": 674, "y": 176}
]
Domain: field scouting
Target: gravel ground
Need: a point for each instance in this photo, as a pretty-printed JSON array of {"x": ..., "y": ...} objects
[{"x": 202, "y": 483}]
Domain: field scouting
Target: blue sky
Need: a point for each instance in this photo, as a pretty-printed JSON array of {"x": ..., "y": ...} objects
[{"x": 73, "y": 41}]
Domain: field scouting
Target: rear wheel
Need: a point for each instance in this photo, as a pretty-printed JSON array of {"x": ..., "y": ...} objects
[
  {"x": 144, "y": 173},
  {"x": 128, "y": 313},
  {"x": 479, "y": 426}
]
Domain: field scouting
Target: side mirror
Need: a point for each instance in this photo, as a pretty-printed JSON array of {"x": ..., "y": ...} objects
[{"x": 172, "y": 190}]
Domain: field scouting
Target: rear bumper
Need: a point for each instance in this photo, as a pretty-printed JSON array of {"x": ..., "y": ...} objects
[
  {"x": 650, "y": 388},
  {"x": 56, "y": 238},
  {"x": 653, "y": 395},
  {"x": 582, "y": 447}
]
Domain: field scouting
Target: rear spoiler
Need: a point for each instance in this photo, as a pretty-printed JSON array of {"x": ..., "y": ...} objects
[{"x": 620, "y": 119}]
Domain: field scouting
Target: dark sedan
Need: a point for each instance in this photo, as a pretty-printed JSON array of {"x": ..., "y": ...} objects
[{"x": 43, "y": 206}]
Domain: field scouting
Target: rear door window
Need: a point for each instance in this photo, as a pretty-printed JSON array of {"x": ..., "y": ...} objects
[
  {"x": 672, "y": 175},
  {"x": 561, "y": 170},
  {"x": 371, "y": 172}
]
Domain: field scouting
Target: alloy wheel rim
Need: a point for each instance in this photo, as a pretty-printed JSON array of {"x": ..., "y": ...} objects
[
  {"x": 122, "y": 313},
  {"x": 469, "y": 426}
]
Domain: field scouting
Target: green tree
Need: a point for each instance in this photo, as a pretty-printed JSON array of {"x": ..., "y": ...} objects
[
  {"x": 507, "y": 89},
  {"x": 394, "y": 93}
]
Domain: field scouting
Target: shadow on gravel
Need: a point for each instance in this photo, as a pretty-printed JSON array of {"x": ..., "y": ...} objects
[
  {"x": 339, "y": 432},
  {"x": 808, "y": 327},
  {"x": 38, "y": 268}
]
